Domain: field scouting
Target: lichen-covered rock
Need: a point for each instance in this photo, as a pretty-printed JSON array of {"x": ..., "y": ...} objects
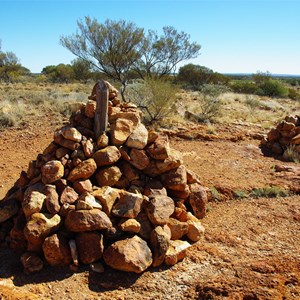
[
  {"x": 108, "y": 176},
  {"x": 130, "y": 255}
]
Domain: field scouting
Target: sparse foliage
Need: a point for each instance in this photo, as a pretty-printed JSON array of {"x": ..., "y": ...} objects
[{"x": 155, "y": 97}]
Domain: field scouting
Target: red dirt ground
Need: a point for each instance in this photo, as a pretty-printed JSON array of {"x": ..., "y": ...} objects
[{"x": 251, "y": 248}]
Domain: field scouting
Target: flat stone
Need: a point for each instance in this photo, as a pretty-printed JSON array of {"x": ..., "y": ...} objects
[
  {"x": 84, "y": 170},
  {"x": 87, "y": 220},
  {"x": 129, "y": 255}
]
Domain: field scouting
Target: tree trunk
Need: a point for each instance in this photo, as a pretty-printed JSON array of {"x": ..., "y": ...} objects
[{"x": 101, "y": 113}]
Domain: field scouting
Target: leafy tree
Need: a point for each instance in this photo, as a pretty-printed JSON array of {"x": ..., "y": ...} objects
[
  {"x": 117, "y": 48},
  {"x": 81, "y": 69},
  {"x": 161, "y": 54},
  {"x": 10, "y": 67},
  {"x": 60, "y": 73},
  {"x": 112, "y": 47},
  {"x": 195, "y": 76}
]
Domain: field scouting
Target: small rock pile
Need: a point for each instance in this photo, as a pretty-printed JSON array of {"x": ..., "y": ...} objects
[
  {"x": 283, "y": 136},
  {"x": 124, "y": 198}
]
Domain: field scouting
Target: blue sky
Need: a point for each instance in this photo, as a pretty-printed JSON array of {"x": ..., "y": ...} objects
[{"x": 243, "y": 36}]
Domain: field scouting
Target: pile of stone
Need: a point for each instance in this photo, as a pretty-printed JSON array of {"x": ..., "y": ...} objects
[
  {"x": 123, "y": 199},
  {"x": 285, "y": 135}
]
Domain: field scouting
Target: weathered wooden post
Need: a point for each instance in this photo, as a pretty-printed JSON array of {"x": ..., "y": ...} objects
[{"x": 101, "y": 113}]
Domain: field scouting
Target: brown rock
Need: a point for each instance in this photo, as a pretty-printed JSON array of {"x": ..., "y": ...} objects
[
  {"x": 18, "y": 242},
  {"x": 139, "y": 159},
  {"x": 87, "y": 201},
  {"x": 87, "y": 220},
  {"x": 52, "y": 199},
  {"x": 33, "y": 203},
  {"x": 57, "y": 251},
  {"x": 128, "y": 205},
  {"x": 83, "y": 171},
  {"x": 178, "y": 229},
  {"x": 160, "y": 242},
  {"x": 160, "y": 149},
  {"x": 32, "y": 170},
  {"x": 108, "y": 176},
  {"x": 102, "y": 141},
  {"x": 107, "y": 197},
  {"x": 273, "y": 135},
  {"x": 39, "y": 226},
  {"x": 89, "y": 246},
  {"x": 146, "y": 226},
  {"x": 31, "y": 262},
  {"x": 196, "y": 229},
  {"x": 180, "y": 194},
  {"x": 130, "y": 255},
  {"x": 176, "y": 252},
  {"x": 129, "y": 171},
  {"x": 71, "y": 133},
  {"x": 120, "y": 131},
  {"x": 198, "y": 200},
  {"x": 296, "y": 140},
  {"x": 82, "y": 186},
  {"x": 130, "y": 225},
  {"x": 175, "y": 179},
  {"x": 159, "y": 209},
  {"x": 8, "y": 208},
  {"x": 192, "y": 177},
  {"x": 173, "y": 161},
  {"x": 61, "y": 152},
  {"x": 68, "y": 196},
  {"x": 88, "y": 148},
  {"x": 138, "y": 138},
  {"x": 90, "y": 109},
  {"x": 51, "y": 171},
  {"x": 107, "y": 156},
  {"x": 59, "y": 139}
]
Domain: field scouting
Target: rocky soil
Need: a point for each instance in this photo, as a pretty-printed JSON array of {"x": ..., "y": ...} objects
[{"x": 250, "y": 249}]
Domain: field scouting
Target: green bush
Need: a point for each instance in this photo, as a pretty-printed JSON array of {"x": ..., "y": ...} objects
[
  {"x": 7, "y": 120},
  {"x": 273, "y": 88},
  {"x": 243, "y": 86},
  {"x": 294, "y": 95},
  {"x": 155, "y": 97}
]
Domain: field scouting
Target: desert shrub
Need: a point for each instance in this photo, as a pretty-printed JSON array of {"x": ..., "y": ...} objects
[
  {"x": 291, "y": 154},
  {"x": 252, "y": 103},
  {"x": 155, "y": 97},
  {"x": 293, "y": 94},
  {"x": 7, "y": 120},
  {"x": 243, "y": 86},
  {"x": 269, "y": 192},
  {"x": 272, "y": 88},
  {"x": 240, "y": 194}
]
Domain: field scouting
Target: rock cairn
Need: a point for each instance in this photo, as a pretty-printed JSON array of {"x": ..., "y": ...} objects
[
  {"x": 124, "y": 198},
  {"x": 286, "y": 134}
]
